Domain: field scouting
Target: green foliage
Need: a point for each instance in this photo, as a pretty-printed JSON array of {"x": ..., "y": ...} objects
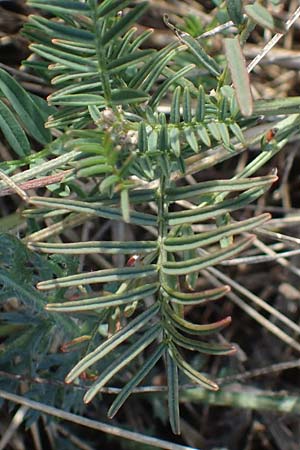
[
  {"x": 235, "y": 11},
  {"x": 23, "y": 114},
  {"x": 123, "y": 151},
  {"x": 30, "y": 348}
]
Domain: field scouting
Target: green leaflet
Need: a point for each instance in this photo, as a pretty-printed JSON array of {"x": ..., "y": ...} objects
[
  {"x": 148, "y": 74},
  {"x": 25, "y": 291},
  {"x": 223, "y": 110},
  {"x": 202, "y": 57},
  {"x": 78, "y": 100},
  {"x": 173, "y": 393},
  {"x": 126, "y": 45},
  {"x": 236, "y": 130},
  {"x": 95, "y": 303},
  {"x": 224, "y": 134},
  {"x": 61, "y": 7},
  {"x": 75, "y": 89},
  {"x": 88, "y": 247},
  {"x": 13, "y": 132},
  {"x": 191, "y": 139},
  {"x": 214, "y": 131},
  {"x": 90, "y": 160},
  {"x": 271, "y": 107},
  {"x": 183, "y": 82},
  {"x": 97, "y": 169},
  {"x": 123, "y": 360},
  {"x": 190, "y": 372},
  {"x": 139, "y": 40},
  {"x": 127, "y": 96},
  {"x": 136, "y": 380},
  {"x": 186, "y": 103},
  {"x": 175, "y": 244},
  {"x": 203, "y": 135},
  {"x": 124, "y": 23},
  {"x": 239, "y": 74},
  {"x": 110, "y": 344},
  {"x": 125, "y": 205},
  {"x": 195, "y": 298},
  {"x": 68, "y": 59},
  {"x": 196, "y": 264},
  {"x": 100, "y": 276},
  {"x": 123, "y": 62},
  {"x": 71, "y": 76},
  {"x": 191, "y": 328},
  {"x": 174, "y": 139},
  {"x": 93, "y": 209},
  {"x": 109, "y": 7},
  {"x": 163, "y": 144},
  {"x": 108, "y": 182},
  {"x": 163, "y": 89},
  {"x": 25, "y": 107},
  {"x": 237, "y": 184},
  {"x": 235, "y": 11},
  {"x": 188, "y": 254},
  {"x": 200, "y": 110},
  {"x": 75, "y": 47},
  {"x": 208, "y": 348},
  {"x": 207, "y": 212},
  {"x": 175, "y": 107},
  {"x": 142, "y": 138},
  {"x": 264, "y": 18},
  {"x": 59, "y": 30}
]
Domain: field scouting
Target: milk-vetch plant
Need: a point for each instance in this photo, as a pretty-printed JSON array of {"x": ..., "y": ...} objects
[{"x": 125, "y": 151}]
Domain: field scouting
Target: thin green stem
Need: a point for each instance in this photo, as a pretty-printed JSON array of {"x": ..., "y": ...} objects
[
  {"x": 162, "y": 212},
  {"x": 101, "y": 59},
  {"x": 100, "y": 27}
]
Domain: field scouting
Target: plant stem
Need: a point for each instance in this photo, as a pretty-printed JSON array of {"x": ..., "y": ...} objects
[{"x": 162, "y": 205}]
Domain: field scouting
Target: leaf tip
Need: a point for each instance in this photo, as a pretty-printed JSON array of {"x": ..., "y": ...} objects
[
  {"x": 214, "y": 386},
  {"x": 226, "y": 321},
  {"x": 68, "y": 379},
  {"x": 112, "y": 412},
  {"x": 87, "y": 398},
  {"x": 233, "y": 350},
  {"x": 227, "y": 289}
]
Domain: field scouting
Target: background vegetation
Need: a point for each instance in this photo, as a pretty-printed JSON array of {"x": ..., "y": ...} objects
[{"x": 143, "y": 137}]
